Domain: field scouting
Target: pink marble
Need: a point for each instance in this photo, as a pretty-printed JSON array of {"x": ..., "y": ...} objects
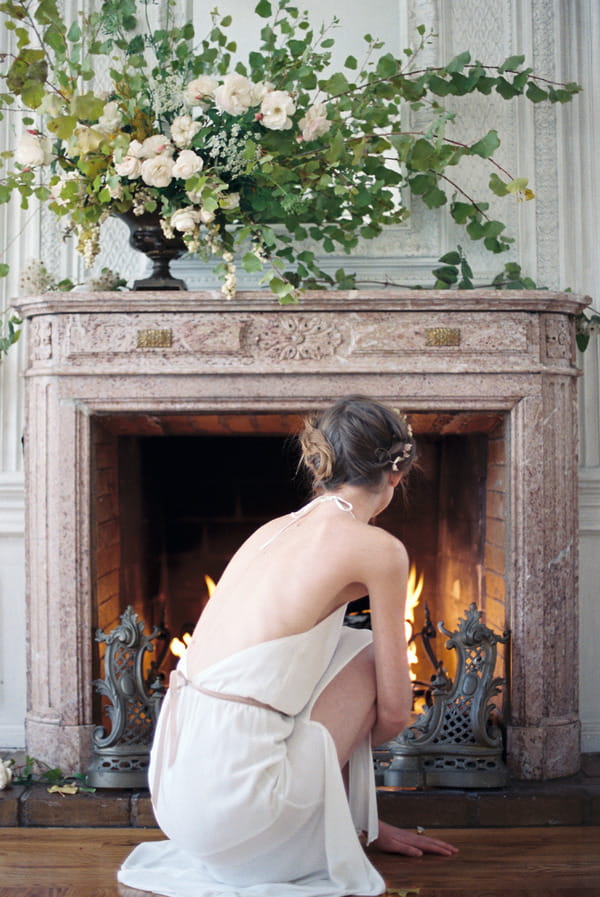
[{"x": 512, "y": 352}]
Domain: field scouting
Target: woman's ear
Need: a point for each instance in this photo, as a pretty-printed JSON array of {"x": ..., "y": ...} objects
[{"x": 395, "y": 479}]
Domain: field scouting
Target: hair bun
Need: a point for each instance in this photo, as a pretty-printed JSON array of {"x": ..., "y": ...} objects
[{"x": 317, "y": 453}]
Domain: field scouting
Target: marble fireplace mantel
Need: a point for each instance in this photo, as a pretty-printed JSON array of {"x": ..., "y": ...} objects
[{"x": 193, "y": 353}]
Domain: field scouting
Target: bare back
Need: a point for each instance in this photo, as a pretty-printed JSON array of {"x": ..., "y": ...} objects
[{"x": 288, "y": 576}]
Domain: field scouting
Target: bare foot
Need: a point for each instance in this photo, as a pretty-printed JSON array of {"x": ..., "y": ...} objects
[{"x": 411, "y": 844}]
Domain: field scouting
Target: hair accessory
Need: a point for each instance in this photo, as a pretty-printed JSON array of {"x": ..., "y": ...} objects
[{"x": 404, "y": 454}]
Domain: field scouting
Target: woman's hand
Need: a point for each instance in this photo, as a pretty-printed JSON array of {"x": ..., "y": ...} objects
[{"x": 409, "y": 843}]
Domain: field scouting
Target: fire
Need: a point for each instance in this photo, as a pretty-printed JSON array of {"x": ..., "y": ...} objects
[
  {"x": 413, "y": 593},
  {"x": 178, "y": 646}
]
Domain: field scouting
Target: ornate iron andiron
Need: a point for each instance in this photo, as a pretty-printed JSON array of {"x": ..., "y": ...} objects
[
  {"x": 455, "y": 742},
  {"x": 120, "y": 757}
]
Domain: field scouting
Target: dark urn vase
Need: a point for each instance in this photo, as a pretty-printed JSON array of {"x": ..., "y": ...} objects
[{"x": 146, "y": 235}]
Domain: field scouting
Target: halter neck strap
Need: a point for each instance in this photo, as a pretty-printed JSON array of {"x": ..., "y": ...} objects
[{"x": 341, "y": 503}]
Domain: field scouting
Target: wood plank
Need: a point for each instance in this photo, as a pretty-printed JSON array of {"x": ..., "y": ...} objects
[{"x": 507, "y": 862}]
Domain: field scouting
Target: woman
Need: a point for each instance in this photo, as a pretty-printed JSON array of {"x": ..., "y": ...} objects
[{"x": 261, "y": 772}]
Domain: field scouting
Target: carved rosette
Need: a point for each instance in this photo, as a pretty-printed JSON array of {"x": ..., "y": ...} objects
[{"x": 292, "y": 338}]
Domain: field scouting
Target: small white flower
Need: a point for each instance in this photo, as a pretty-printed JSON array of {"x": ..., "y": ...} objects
[
  {"x": 314, "y": 122},
  {"x": 199, "y": 90},
  {"x": 157, "y": 145},
  {"x": 157, "y": 171},
  {"x": 275, "y": 110},
  {"x": 33, "y": 150},
  {"x": 111, "y": 118},
  {"x": 206, "y": 216},
  {"x": 183, "y": 130},
  {"x": 185, "y": 220},
  {"x": 234, "y": 95}
]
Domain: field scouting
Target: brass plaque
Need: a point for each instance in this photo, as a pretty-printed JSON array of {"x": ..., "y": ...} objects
[
  {"x": 442, "y": 336},
  {"x": 154, "y": 339}
]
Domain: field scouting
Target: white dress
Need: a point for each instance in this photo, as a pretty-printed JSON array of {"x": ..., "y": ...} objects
[{"x": 252, "y": 798}]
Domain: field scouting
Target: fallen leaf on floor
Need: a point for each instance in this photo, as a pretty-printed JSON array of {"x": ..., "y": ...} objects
[
  {"x": 402, "y": 892},
  {"x": 63, "y": 789}
]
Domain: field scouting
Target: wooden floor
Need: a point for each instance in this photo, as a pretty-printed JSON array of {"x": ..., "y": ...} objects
[{"x": 507, "y": 862}]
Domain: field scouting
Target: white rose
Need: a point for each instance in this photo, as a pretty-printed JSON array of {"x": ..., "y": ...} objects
[
  {"x": 275, "y": 110},
  {"x": 111, "y": 118},
  {"x": 183, "y": 130},
  {"x": 129, "y": 167},
  {"x": 260, "y": 90},
  {"x": 157, "y": 171},
  {"x": 200, "y": 89},
  {"x": 314, "y": 123},
  {"x": 230, "y": 201},
  {"x": 135, "y": 149},
  {"x": 234, "y": 95},
  {"x": 205, "y": 216},
  {"x": 157, "y": 145},
  {"x": 187, "y": 164},
  {"x": 185, "y": 220},
  {"x": 33, "y": 150}
]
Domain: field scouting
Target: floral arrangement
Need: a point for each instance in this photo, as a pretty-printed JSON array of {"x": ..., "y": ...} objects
[{"x": 270, "y": 161}]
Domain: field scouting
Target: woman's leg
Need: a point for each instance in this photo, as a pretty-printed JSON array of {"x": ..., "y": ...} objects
[{"x": 347, "y": 708}]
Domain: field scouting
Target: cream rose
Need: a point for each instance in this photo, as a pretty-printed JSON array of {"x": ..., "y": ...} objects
[
  {"x": 157, "y": 145},
  {"x": 183, "y": 130},
  {"x": 129, "y": 167},
  {"x": 314, "y": 123},
  {"x": 157, "y": 171},
  {"x": 234, "y": 95},
  {"x": 275, "y": 110},
  {"x": 200, "y": 89},
  {"x": 206, "y": 216},
  {"x": 187, "y": 164},
  {"x": 260, "y": 90},
  {"x": 185, "y": 220},
  {"x": 33, "y": 150},
  {"x": 111, "y": 118}
]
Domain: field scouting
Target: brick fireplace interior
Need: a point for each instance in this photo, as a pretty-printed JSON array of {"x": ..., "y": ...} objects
[{"x": 175, "y": 495}]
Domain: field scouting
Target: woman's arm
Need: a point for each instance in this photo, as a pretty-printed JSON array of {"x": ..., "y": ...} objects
[{"x": 386, "y": 580}]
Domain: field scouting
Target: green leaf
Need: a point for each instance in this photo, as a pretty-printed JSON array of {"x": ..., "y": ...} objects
[
  {"x": 263, "y": 9},
  {"x": 3, "y": 269},
  {"x": 487, "y": 146},
  {"x": 535, "y": 93},
  {"x": 512, "y": 63},
  {"x": 351, "y": 62},
  {"x": 422, "y": 156},
  {"x": 459, "y": 62},
  {"x": 251, "y": 262},
  {"x": 497, "y": 185},
  {"x": 451, "y": 258}
]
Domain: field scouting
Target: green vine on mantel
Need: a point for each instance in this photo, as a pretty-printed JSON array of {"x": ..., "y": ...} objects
[{"x": 272, "y": 160}]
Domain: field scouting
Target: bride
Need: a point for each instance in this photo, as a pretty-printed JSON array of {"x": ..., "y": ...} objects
[{"x": 261, "y": 772}]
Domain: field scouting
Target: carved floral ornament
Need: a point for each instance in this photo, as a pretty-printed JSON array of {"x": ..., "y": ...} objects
[{"x": 292, "y": 338}]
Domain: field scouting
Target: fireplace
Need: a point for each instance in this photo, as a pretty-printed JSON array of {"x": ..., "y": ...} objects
[{"x": 132, "y": 398}]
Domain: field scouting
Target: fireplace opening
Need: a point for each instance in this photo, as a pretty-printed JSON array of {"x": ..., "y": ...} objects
[{"x": 175, "y": 496}]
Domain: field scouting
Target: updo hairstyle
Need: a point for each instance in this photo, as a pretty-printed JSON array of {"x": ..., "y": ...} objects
[{"x": 355, "y": 441}]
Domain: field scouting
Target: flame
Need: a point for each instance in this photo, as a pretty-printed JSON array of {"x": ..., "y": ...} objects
[
  {"x": 178, "y": 646},
  {"x": 413, "y": 593}
]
